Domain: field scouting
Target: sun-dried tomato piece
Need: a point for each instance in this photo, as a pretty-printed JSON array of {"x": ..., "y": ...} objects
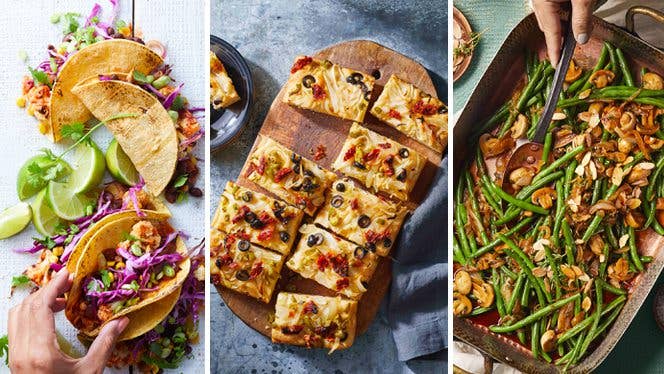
[
  {"x": 310, "y": 307},
  {"x": 342, "y": 283},
  {"x": 266, "y": 234},
  {"x": 240, "y": 214},
  {"x": 292, "y": 330},
  {"x": 394, "y": 114},
  {"x": 300, "y": 63},
  {"x": 350, "y": 153},
  {"x": 339, "y": 265},
  {"x": 371, "y": 155},
  {"x": 256, "y": 270},
  {"x": 318, "y": 92},
  {"x": 322, "y": 262},
  {"x": 425, "y": 109},
  {"x": 281, "y": 174}
]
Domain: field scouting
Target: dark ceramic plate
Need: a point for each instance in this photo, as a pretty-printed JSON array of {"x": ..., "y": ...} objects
[{"x": 226, "y": 123}]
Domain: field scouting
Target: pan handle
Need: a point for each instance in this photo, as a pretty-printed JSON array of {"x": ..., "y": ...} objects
[{"x": 644, "y": 10}]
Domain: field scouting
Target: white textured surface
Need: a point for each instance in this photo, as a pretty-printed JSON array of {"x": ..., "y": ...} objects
[{"x": 177, "y": 24}]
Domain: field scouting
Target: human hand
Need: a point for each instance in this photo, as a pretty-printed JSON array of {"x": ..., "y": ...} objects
[
  {"x": 548, "y": 19},
  {"x": 33, "y": 346}
]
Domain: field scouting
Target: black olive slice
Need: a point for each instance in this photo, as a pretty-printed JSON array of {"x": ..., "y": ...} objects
[
  {"x": 359, "y": 165},
  {"x": 337, "y": 201},
  {"x": 284, "y": 236},
  {"x": 376, "y": 74},
  {"x": 257, "y": 224},
  {"x": 355, "y": 78},
  {"x": 442, "y": 109},
  {"x": 403, "y": 153},
  {"x": 246, "y": 196},
  {"x": 401, "y": 176},
  {"x": 364, "y": 221},
  {"x": 315, "y": 239},
  {"x": 308, "y": 173},
  {"x": 308, "y": 80},
  {"x": 243, "y": 245},
  {"x": 371, "y": 247},
  {"x": 296, "y": 158},
  {"x": 242, "y": 275},
  {"x": 249, "y": 217},
  {"x": 360, "y": 252},
  {"x": 341, "y": 187},
  {"x": 308, "y": 185},
  {"x": 296, "y": 168},
  {"x": 367, "y": 96},
  {"x": 218, "y": 263}
]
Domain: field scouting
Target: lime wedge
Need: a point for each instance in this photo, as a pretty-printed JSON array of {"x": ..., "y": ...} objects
[
  {"x": 65, "y": 203},
  {"x": 14, "y": 219},
  {"x": 24, "y": 188},
  {"x": 89, "y": 167},
  {"x": 120, "y": 166},
  {"x": 43, "y": 217}
]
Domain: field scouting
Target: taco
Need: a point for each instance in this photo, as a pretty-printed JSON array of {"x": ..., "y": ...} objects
[
  {"x": 116, "y": 55},
  {"x": 133, "y": 266},
  {"x": 149, "y": 138}
]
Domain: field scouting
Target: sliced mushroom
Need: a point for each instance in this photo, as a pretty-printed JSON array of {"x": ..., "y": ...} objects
[
  {"x": 462, "y": 282},
  {"x": 602, "y": 78},
  {"x": 548, "y": 341},
  {"x": 461, "y": 305},
  {"x": 573, "y": 72},
  {"x": 520, "y": 127},
  {"x": 652, "y": 81},
  {"x": 544, "y": 197}
]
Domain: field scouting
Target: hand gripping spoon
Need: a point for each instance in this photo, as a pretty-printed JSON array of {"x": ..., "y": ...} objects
[{"x": 530, "y": 153}]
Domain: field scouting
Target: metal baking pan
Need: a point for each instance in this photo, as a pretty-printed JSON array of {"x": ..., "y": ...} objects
[{"x": 495, "y": 87}]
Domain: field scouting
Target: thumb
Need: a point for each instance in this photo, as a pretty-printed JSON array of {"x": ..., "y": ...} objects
[{"x": 103, "y": 345}]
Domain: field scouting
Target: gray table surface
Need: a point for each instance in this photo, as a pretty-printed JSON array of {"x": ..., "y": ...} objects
[{"x": 269, "y": 35}]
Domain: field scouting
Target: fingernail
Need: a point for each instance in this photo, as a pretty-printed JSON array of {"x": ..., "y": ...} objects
[{"x": 582, "y": 38}]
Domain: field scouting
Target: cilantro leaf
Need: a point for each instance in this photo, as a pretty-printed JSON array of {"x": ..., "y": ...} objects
[
  {"x": 20, "y": 280},
  {"x": 40, "y": 76},
  {"x": 182, "y": 179},
  {"x": 70, "y": 22},
  {"x": 35, "y": 175},
  {"x": 4, "y": 348},
  {"x": 74, "y": 131},
  {"x": 46, "y": 242},
  {"x": 105, "y": 278},
  {"x": 141, "y": 78}
]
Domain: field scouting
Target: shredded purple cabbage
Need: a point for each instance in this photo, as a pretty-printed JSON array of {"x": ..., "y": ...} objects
[
  {"x": 192, "y": 139},
  {"x": 171, "y": 96}
]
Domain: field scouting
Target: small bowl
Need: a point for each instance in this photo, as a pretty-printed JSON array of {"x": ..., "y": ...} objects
[
  {"x": 461, "y": 22},
  {"x": 226, "y": 123}
]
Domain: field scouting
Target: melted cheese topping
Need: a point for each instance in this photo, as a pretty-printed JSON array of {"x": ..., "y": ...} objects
[
  {"x": 232, "y": 217},
  {"x": 293, "y": 178},
  {"x": 379, "y": 162},
  {"x": 317, "y": 262},
  {"x": 222, "y": 91},
  {"x": 253, "y": 272},
  {"x": 344, "y": 206},
  {"x": 395, "y": 107},
  {"x": 291, "y": 311},
  {"x": 324, "y": 87}
]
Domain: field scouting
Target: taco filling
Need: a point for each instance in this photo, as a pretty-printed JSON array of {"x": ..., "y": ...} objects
[{"x": 128, "y": 273}]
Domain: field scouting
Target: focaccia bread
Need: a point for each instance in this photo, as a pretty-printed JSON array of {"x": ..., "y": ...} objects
[
  {"x": 413, "y": 112},
  {"x": 291, "y": 177},
  {"x": 257, "y": 218},
  {"x": 222, "y": 91},
  {"x": 379, "y": 163},
  {"x": 361, "y": 217},
  {"x": 314, "y": 321},
  {"x": 328, "y": 88},
  {"x": 243, "y": 267},
  {"x": 332, "y": 261}
]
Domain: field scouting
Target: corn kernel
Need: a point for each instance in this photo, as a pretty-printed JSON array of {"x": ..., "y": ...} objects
[
  {"x": 58, "y": 251},
  {"x": 119, "y": 265},
  {"x": 20, "y": 102},
  {"x": 31, "y": 110},
  {"x": 43, "y": 127}
]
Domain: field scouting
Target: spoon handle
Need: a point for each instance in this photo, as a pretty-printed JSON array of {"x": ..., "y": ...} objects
[{"x": 558, "y": 80}]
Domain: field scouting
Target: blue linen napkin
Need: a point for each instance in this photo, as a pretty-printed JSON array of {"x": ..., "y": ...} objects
[{"x": 417, "y": 305}]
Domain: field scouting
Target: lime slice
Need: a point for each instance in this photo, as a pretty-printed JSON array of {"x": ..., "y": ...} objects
[
  {"x": 14, "y": 219},
  {"x": 120, "y": 166},
  {"x": 24, "y": 188},
  {"x": 43, "y": 217},
  {"x": 89, "y": 167},
  {"x": 65, "y": 203}
]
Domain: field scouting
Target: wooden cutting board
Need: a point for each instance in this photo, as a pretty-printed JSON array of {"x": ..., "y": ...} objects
[{"x": 303, "y": 131}]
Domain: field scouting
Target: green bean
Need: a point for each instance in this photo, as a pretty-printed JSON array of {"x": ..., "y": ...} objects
[
  {"x": 634, "y": 254},
  {"x": 475, "y": 208},
  {"x": 607, "y": 286},
  {"x": 518, "y": 203},
  {"x": 598, "y": 66},
  {"x": 509, "y": 273},
  {"x": 570, "y": 246},
  {"x": 527, "y": 91},
  {"x": 535, "y": 316},
  {"x": 574, "y": 87},
  {"x": 495, "y": 242},
  {"x": 624, "y": 68},
  {"x": 569, "y": 175},
  {"x": 516, "y": 292},
  {"x": 525, "y": 296},
  {"x": 546, "y": 150},
  {"x": 615, "y": 67},
  {"x": 589, "y": 320},
  {"x": 527, "y": 266},
  {"x": 606, "y": 323},
  {"x": 459, "y": 220},
  {"x": 560, "y": 213},
  {"x": 478, "y": 311},
  {"x": 498, "y": 295},
  {"x": 610, "y": 236},
  {"x": 513, "y": 212},
  {"x": 522, "y": 336},
  {"x": 558, "y": 163},
  {"x": 534, "y": 339},
  {"x": 646, "y": 259},
  {"x": 593, "y": 327},
  {"x": 556, "y": 270},
  {"x": 602, "y": 266}
]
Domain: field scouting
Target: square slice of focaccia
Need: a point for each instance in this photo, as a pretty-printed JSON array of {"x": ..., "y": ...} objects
[
  {"x": 379, "y": 163},
  {"x": 291, "y": 177},
  {"x": 361, "y": 217},
  {"x": 243, "y": 267},
  {"x": 413, "y": 112},
  {"x": 314, "y": 321},
  {"x": 328, "y": 88},
  {"x": 222, "y": 91},
  {"x": 334, "y": 262},
  {"x": 257, "y": 218}
]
